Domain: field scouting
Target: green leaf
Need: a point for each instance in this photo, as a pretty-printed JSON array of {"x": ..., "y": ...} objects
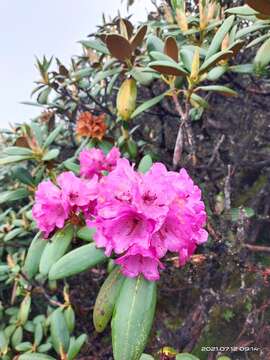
[
  {"x": 95, "y": 45},
  {"x": 154, "y": 44},
  {"x": 59, "y": 331},
  {"x": 133, "y": 317},
  {"x": 147, "y": 105},
  {"x": 145, "y": 164},
  {"x": 146, "y": 357},
  {"x": 242, "y": 69},
  {"x": 85, "y": 233},
  {"x": 55, "y": 249},
  {"x": 70, "y": 318},
  {"x": 242, "y": 11},
  {"x": 38, "y": 334},
  {"x": 215, "y": 73},
  {"x": 101, "y": 75},
  {"x": 18, "y": 150},
  {"x": 224, "y": 90},
  {"x": 223, "y": 358},
  {"x": 17, "y": 336},
  {"x": 143, "y": 76},
  {"x": 167, "y": 67},
  {"x": 211, "y": 61},
  {"x": 82, "y": 73},
  {"x": 24, "y": 346},
  {"x": 52, "y": 136},
  {"x": 76, "y": 346},
  {"x": 219, "y": 36},
  {"x": 199, "y": 100},
  {"x": 249, "y": 29},
  {"x": 37, "y": 131},
  {"x": 186, "y": 356},
  {"x": 14, "y": 159},
  {"x": 106, "y": 299},
  {"x": 24, "y": 309},
  {"x": 72, "y": 166},
  {"x": 43, "y": 96},
  {"x": 44, "y": 347},
  {"x": 23, "y": 175},
  {"x": 13, "y": 195},
  {"x": 258, "y": 40},
  {"x": 35, "y": 356},
  {"x": 51, "y": 154},
  {"x": 77, "y": 261},
  {"x": 262, "y": 58},
  {"x": 160, "y": 56},
  {"x": 186, "y": 54},
  {"x": 12, "y": 234},
  {"x": 33, "y": 256},
  {"x": 3, "y": 342}
]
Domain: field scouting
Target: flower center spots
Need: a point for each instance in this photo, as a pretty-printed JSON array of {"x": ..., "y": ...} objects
[{"x": 149, "y": 198}]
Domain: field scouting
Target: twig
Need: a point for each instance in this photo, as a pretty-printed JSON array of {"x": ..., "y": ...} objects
[
  {"x": 227, "y": 190},
  {"x": 216, "y": 149},
  {"x": 257, "y": 248}
]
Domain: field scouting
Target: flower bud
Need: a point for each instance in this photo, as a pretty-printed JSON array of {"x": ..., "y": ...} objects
[{"x": 126, "y": 99}]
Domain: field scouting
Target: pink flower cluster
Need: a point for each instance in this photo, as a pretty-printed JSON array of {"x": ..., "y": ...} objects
[{"x": 138, "y": 217}]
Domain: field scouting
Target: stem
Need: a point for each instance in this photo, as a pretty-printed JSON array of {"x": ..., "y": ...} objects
[{"x": 185, "y": 125}]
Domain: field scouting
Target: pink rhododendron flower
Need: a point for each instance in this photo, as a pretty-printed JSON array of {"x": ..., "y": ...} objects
[
  {"x": 50, "y": 210},
  {"x": 143, "y": 216},
  {"x": 93, "y": 161},
  {"x": 54, "y": 204}
]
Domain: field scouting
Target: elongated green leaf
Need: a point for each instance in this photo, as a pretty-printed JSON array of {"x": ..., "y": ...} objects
[
  {"x": 82, "y": 73},
  {"x": 55, "y": 249},
  {"x": 186, "y": 356},
  {"x": 14, "y": 159},
  {"x": 218, "y": 88},
  {"x": 242, "y": 69},
  {"x": 146, "y": 357},
  {"x": 145, "y": 164},
  {"x": 101, "y": 75},
  {"x": 75, "y": 346},
  {"x": 13, "y": 195},
  {"x": 59, "y": 331},
  {"x": 262, "y": 58},
  {"x": 154, "y": 44},
  {"x": 12, "y": 234},
  {"x": 37, "y": 131},
  {"x": 258, "y": 40},
  {"x": 144, "y": 76},
  {"x": 250, "y": 29},
  {"x": 147, "y": 105},
  {"x": 51, "y": 154},
  {"x": 85, "y": 233},
  {"x": 133, "y": 317},
  {"x": 199, "y": 100},
  {"x": 52, "y": 136},
  {"x": 215, "y": 73},
  {"x": 72, "y": 166},
  {"x": 159, "y": 56},
  {"x": 95, "y": 45},
  {"x": 23, "y": 175},
  {"x": 166, "y": 67},
  {"x": 219, "y": 36},
  {"x": 106, "y": 299},
  {"x": 35, "y": 356},
  {"x": 186, "y": 54},
  {"x": 242, "y": 11},
  {"x": 210, "y": 62},
  {"x": 31, "y": 264},
  {"x": 76, "y": 261},
  {"x": 24, "y": 309},
  {"x": 18, "y": 150}
]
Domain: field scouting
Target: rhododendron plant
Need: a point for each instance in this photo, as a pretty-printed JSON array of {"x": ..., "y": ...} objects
[{"x": 138, "y": 217}]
